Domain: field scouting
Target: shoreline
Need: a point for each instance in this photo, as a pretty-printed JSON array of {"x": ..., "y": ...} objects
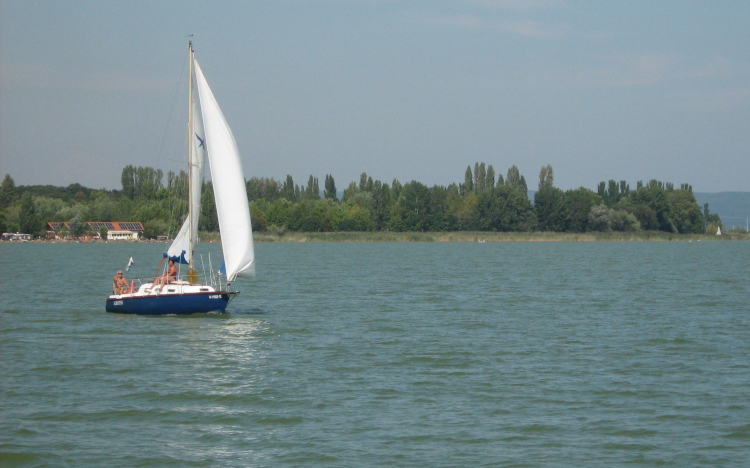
[
  {"x": 490, "y": 237},
  {"x": 458, "y": 236}
]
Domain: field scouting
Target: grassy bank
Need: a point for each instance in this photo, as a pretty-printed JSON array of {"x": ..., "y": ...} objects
[{"x": 462, "y": 236}]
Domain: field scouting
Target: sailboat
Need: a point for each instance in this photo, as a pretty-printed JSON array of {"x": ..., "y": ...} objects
[{"x": 209, "y": 137}]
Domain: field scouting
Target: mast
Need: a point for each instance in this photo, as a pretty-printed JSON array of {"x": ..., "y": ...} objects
[{"x": 190, "y": 154}]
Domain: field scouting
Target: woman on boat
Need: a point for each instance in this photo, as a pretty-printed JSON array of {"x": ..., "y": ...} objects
[{"x": 170, "y": 275}]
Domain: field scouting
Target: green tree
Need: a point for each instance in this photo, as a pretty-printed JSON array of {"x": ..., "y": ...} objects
[
  {"x": 468, "y": 185},
  {"x": 623, "y": 221},
  {"x": 684, "y": 212},
  {"x": 350, "y": 191},
  {"x": 654, "y": 197},
  {"x": 77, "y": 227},
  {"x": 613, "y": 192},
  {"x": 128, "y": 181},
  {"x": 490, "y": 178},
  {"x": 209, "y": 220},
  {"x": 330, "y": 188},
  {"x": 7, "y": 191},
  {"x": 103, "y": 232},
  {"x": 262, "y": 189},
  {"x": 551, "y": 209},
  {"x": 103, "y": 208},
  {"x": 29, "y": 221},
  {"x": 503, "y": 209},
  {"x": 381, "y": 205},
  {"x": 147, "y": 182},
  {"x": 516, "y": 180},
  {"x": 46, "y": 209},
  {"x": 296, "y": 215},
  {"x": 356, "y": 218},
  {"x": 461, "y": 207},
  {"x": 287, "y": 190},
  {"x": 258, "y": 217},
  {"x": 579, "y": 203},
  {"x": 439, "y": 217},
  {"x": 12, "y": 215},
  {"x": 312, "y": 223},
  {"x": 480, "y": 176},
  {"x": 154, "y": 228},
  {"x": 546, "y": 177},
  {"x": 411, "y": 211},
  {"x": 312, "y": 191},
  {"x": 362, "y": 181},
  {"x": 276, "y": 215},
  {"x": 605, "y": 219}
]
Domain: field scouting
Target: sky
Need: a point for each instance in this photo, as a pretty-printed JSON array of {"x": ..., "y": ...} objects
[{"x": 407, "y": 90}]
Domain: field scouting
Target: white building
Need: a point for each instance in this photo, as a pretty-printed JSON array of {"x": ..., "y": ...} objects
[
  {"x": 15, "y": 236},
  {"x": 122, "y": 235}
]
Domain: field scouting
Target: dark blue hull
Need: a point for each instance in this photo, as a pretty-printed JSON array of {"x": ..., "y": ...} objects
[{"x": 172, "y": 304}]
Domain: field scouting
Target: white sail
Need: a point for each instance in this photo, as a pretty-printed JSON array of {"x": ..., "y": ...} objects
[
  {"x": 228, "y": 184},
  {"x": 180, "y": 248}
]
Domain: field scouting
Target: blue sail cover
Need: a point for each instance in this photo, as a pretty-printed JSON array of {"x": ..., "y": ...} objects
[{"x": 177, "y": 258}]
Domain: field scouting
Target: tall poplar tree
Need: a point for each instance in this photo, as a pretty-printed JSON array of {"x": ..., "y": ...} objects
[
  {"x": 287, "y": 190},
  {"x": 468, "y": 185},
  {"x": 330, "y": 188},
  {"x": 481, "y": 178},
  {"x": 29, "y": 221},
  {"x": 516, "y": 180},
  {"x": 546, "y": 177},
  {"x": 128, "y": 181},
  {"x": 490, "y": 178},
  {"x": 7, "y": 191},
  {"x": 312, "y": 192},
  {"x": 209, "y": 220}
]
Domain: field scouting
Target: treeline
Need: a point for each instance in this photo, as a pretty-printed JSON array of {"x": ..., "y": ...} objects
[{"x": 484, "y": 201}]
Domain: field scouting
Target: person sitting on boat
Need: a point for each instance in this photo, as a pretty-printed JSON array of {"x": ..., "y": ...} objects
[
  {"x": 170, "y": 275},
  {"x": 120, "y": 284}
]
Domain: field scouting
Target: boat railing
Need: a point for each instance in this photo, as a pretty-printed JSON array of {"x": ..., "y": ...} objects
[{"x": 217, "y": 281}]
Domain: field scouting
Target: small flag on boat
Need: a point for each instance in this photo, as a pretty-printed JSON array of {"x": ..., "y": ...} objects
[{"x": 130, "y": 263}]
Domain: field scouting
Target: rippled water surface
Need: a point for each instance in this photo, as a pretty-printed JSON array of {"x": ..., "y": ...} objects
[{"x": 385, "y": 354}]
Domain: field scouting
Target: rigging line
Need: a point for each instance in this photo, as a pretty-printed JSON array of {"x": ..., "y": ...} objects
[
  {"x": 173, "y": 207},
  {"x": 171, "y": 111}
]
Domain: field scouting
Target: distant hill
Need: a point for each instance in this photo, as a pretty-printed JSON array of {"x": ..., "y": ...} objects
[{"x": 733, "y": 207}]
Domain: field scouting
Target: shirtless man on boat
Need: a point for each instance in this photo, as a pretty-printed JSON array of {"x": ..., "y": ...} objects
[{"x": 120, "y": 284}]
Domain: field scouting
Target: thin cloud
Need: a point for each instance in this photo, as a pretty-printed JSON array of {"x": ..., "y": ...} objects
[
  {"x": 536, "y": 29},
  {"x": 637, "y": 70},
  {"x": 458, "y": 21},
  {"x": 715, "y": 100},
  {"x": 34, "y": 75},
  {"x": 647, "y": 69},
  {"x": 517, "y": 4},
  {"x": 532, "y": 29}
]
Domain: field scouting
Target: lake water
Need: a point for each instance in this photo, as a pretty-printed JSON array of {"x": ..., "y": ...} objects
[{"x": 385, "y": 354}]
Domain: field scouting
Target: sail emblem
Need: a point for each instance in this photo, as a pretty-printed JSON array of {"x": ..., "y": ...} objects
[{"x": 200, "y": 139}]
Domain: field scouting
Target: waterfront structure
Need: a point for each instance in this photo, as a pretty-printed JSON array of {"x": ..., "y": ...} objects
[
  {"x": 16, "y": 236},
  {"x": 116, "y": 230}
]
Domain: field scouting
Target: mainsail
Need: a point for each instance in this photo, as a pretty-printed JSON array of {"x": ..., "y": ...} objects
[{"x": 228, "y": 184}]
